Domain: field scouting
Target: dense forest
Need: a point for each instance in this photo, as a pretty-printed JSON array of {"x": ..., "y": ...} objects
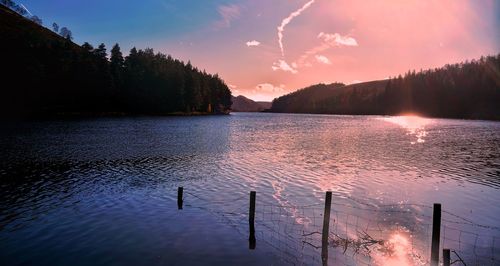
[
  {"x": 44, "y": 73},
  {"x": 468, "y": 90}
]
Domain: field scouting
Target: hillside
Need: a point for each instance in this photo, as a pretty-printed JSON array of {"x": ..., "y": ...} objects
[
  {"x": 45, "y": 74},
  {"x": 243, "y": 104},
  {"x": 469, "y": 90},
  {"x": 331, "y": 98},
  {"x": 265, "y": 105}
]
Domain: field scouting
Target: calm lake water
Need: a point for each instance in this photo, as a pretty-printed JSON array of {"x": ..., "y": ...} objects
[{"x": 104, "y": 191}]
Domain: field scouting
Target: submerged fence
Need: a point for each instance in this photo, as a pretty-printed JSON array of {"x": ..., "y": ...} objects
[{"x": 347, "y": 231}]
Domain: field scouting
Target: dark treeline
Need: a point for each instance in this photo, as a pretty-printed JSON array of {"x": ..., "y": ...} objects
[
  {"x": 468, "y": 90},
  {"x": 306, "y": 100},
  {"x": 44, "y": 74}
]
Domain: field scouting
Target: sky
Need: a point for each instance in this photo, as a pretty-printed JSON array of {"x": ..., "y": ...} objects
[{"x": 263, "y": 49}]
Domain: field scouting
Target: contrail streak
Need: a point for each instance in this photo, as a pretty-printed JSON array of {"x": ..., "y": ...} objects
[
  {"x": 281, "y": 28},
  {"x": 26, "y": 9}
]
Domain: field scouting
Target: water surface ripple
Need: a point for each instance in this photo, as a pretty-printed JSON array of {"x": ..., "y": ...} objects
[{"x": 103, "y": 191}]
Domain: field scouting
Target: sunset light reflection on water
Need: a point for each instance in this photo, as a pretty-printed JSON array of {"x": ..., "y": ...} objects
[
  {"x": 415, "y": 125},
  {"x": 397, "y": 251},
  {"x": 382, "y": 188}
]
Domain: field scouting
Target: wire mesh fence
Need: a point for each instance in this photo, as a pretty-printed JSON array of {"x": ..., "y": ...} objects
[
  {"x": 470, "y": 243},
  {"x": 359, "y": 233}
]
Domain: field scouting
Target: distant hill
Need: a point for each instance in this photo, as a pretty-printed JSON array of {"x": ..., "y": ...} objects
[
  {"x": 243, "y": 104},
  {"x": 265, "y": 105},
  {"x": 469, "y": 90},
  {"x": 45, "y": 74},
  {"x": 335, "y": 98}
]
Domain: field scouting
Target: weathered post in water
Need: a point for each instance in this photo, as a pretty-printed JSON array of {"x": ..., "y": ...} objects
[
  {"x": 326, "y": 230},
  {"x": 180, "y": 191},
  {"x": 251, "y": 220},
  {"x": 446, "y": 257},
  {"x": 436, "y": 232}
]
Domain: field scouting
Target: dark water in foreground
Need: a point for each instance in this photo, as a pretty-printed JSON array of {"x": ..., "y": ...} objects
[{"x": 103, "y": 191}]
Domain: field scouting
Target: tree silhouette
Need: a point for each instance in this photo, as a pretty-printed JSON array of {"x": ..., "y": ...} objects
[
  {"x": 116, "y": 65},
  {"x": 100, "y": 51},
  {"x": 37, "y": 20},
  {"x": 60, "y": 77},
  {"x": 7, "y": 3},
  {"x": 88, "y": 47},
  {"x": 55, "y": 27},
  {"x": 13, "y": 6},
  {"x": 116, "y": 60},
  {"x": 66, "y": 33}
]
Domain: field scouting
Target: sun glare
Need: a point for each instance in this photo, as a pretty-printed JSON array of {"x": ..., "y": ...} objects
[
  {"x": 414, "y": 124},
  {"x": 397, "y": 251}
]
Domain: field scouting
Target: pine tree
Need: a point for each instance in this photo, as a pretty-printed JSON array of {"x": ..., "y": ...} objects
[
  {"x": 100, "y": 51},
  {"x": 116, "y": 66}
]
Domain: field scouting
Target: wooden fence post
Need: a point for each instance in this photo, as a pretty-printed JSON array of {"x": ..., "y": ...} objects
[
  {"x": 180, "y": 191},
  {"x": 436, "y": 232},
  {"x": 251, "y": 220},
  {"x": 326, "y": 225},
  {"x": 446, "y": 257}
]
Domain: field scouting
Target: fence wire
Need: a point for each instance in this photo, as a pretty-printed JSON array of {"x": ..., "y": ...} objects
[{"x": 360, "y": 233}]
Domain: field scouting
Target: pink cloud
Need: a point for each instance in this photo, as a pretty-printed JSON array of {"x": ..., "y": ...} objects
[
  {"x": 323, "y": 59},
  {"x": 253, "y": 43},
  {"x": 337, "y": 39},
  {"x": 284, "y": 66},
  {"x": 328, "y": 41}
]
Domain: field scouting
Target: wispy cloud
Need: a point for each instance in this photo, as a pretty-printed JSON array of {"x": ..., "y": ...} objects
[
  {"x": 283, "y": 65},
  {"x": 328, "y": 41},
  {"x": 323, "y": 59},
  {"x": 287, "y": 20},
  {"x": 253, "y": 43},
  {"x": 228, "y": 13},
  {"x": 336, "y": 39}
]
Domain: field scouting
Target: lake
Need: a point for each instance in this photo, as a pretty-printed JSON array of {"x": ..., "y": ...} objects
[{"x": 103, "y": 191}]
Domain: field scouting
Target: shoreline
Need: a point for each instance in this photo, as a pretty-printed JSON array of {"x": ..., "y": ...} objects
[
  {"x": 401, "y": 114},
  {"x": 83, "y": 115}
]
